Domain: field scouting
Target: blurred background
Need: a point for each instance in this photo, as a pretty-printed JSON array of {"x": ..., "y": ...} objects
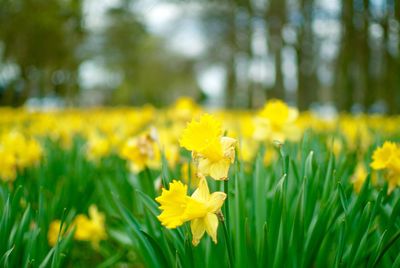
[{"x": 341, "y": 55}]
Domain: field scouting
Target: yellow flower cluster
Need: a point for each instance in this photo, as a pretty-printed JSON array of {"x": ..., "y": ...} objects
[
  {"x": 17, "y": 152},
  {"x": 387, "y": 158},
  {"x": 90, "y": 228}
]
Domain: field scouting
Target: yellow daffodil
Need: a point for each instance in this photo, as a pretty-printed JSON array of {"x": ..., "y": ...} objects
[
  {"x": 201, "y": 136},
  {"x": 359, "y": 177},
  {"x": 90, "y": 228},
  {"x": 383, "y": 156},
  {"x": 201, "y": 209},
  {"x": 17, "y": 152},
  {"x": 184, "y": 109},
  {"x": 54, "y": 230},
  {"x": 8, "y": 166},
  {"x": 212, "y": 152},
  {"x": 216, "y": 162},
  {"x": 141, "y": 152},
  {"x": 173, "y": 204},
  {"x": 387, "y": 158},
  {"x": 97, "y": 147},
  {"x": 276, "y": 121}
]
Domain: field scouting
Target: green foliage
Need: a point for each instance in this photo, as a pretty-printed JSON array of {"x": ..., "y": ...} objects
[{"x": 296, "y": 212}]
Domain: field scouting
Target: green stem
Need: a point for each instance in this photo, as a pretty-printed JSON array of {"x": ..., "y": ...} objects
[
  {"x": 227, "y": 242},
  {"x": 386, "y": 248},
  {"x": 150, "y": 183},
  {"x": 226, "y": 190},
  {"x": 224, "y": 224}
]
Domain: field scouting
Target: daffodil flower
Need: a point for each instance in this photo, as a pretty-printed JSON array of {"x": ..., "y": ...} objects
[
  {"x": 212, "y": 152},
  {"x": 387, "y": 158},
  {"x": 200, "y": 209}
]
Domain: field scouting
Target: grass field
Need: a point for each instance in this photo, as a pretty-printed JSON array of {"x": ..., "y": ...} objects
[{"x": 179, "y": 187}]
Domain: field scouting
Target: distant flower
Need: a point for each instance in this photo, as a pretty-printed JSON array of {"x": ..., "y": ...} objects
[
  {"x": 141, "y": 152},
  {"x": 184, "y": 109},
  {"x": 90, "y": 228},
  {"x": 97, "y": 147},
  {"x": 8, "y": 166},
  {"x": 53, "y": 232},
  {"x": 387, "y": 158},
  {"x": 359, "y": 177},
  {"x": 17, "y": 152},
  {"x": 276, "y": 121},
  {"x": 384, "y": 156}
]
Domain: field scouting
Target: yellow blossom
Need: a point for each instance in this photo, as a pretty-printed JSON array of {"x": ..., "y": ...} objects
[
  {"x": 97, "y": 147},
  {"x": 276, "y": 121},
  {"x": 217, "y": 164},
  {"x": 387, "y": 158},
  {"x": 173, "y": 204},
  {"x": 184, "y": 109},
  {"x": 90, "y": 228},
  {"x": 8, "y": 166},
  {"x": 212, "y": 152},
  {"x": 202, "y": 135},
  {"x": 53, "y": 232},
  {"x": 359, "y": 177},
  {"x": 382, "y": 156},
  {"x": 141, "y": 152},
  {"x": 201, "y": 209}
]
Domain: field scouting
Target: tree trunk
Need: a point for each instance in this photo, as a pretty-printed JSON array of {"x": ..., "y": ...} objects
[{"x": 275, "y": 18}]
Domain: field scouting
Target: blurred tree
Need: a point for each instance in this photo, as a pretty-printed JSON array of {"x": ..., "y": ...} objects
[
  {"x": 344, "y": 78},
  {"x": 366, "y": 86},
  {"x": 42, "y": 38},
  {"x": 396, "y": 87},
  {"x": 218, "y": 22},
  {"x": 150, "y": 72},
  {"x": 307, "y": 82},
  {"x": 275, "y": 19},
  {"x": 390, "y": 82}
]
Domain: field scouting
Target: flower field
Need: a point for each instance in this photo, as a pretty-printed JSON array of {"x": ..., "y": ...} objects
[{"x": 189, "y": 187}]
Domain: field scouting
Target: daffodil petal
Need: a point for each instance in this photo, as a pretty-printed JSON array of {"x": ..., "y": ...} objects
[
  {"x": 211, "y": 224},
  {"x": 202, "y": 193},
  {"x": 198, "y": 228},
  {"x": 216, "y": 201}
]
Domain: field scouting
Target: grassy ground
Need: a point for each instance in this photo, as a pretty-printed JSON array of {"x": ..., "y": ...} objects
[{"x": 308, "y": 201}]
